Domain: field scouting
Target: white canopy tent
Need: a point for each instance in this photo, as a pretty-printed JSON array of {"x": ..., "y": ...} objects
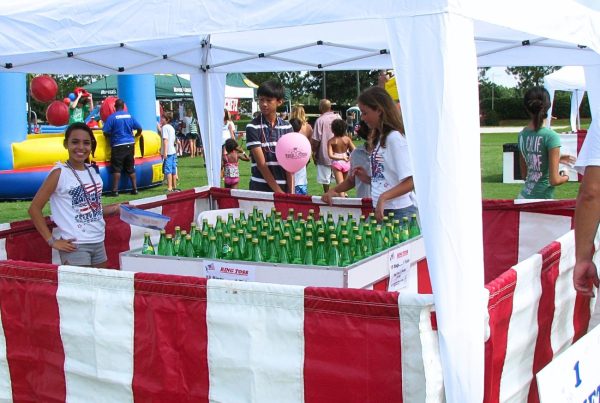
[
  {"x": 434, "y": 46},
  {"x": 568, "y": 78}
]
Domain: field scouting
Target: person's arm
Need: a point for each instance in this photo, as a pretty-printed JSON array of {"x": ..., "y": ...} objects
[
  {"x": 587, "y": 217},
  {"x": 330, "y": 151},
  {"x": 523, "y": 166},
  {"x": 73, "y": 104},
  {"x": 351, "y": 145},
  {"x": 111, "y": 209},
  {"x": 291, "y": 186},
  {"x": 242, "y": 154},
  {"x": 555, "y": 177},
  {"x": 263, "y": 168},
  {"x": 37, "y": 217},
  {"x": 336, "y": 191},
  {"x": 361, "y": 174},
  {"x": 231, "y": 130},
  {"x": 165, "y": 147},
  {"x": 400, "y": 189},
  {"x": 90, "y": 103}
]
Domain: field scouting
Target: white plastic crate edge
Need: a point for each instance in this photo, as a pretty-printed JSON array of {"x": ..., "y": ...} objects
[{"x": 358, "y": 275}]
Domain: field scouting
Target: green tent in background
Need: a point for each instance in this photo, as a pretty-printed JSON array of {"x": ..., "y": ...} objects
[{"x": 173, "y": 86}]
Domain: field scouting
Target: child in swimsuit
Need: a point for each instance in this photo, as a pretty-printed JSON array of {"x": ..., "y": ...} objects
[{"x": 339, "y": 148}]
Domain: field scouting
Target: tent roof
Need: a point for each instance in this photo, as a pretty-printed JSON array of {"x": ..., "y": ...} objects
[
  {"x": 55, "y": 37},
  {"x": 568, "y": 78}
]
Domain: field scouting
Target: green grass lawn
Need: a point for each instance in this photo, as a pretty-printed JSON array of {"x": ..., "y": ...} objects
[{"x": 193, "y": 174}]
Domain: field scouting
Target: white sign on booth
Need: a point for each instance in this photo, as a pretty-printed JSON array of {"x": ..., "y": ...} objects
[
  {"x": 225, "y": 270},
  {"x": 573, "y": 376},
  {"x": 399, "y": 265}
]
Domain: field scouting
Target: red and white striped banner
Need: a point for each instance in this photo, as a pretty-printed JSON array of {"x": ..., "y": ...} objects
[
  {"x": 70, "y": 334},
  {"x": 534, "y": 314}
]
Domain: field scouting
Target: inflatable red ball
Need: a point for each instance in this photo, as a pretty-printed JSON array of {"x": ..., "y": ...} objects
[
  {"x": 43, "y": 88},
  {"x": 57, "y": 113},
  {"x": 108, "y": 108},
  {"x": 67, "y": 101}
]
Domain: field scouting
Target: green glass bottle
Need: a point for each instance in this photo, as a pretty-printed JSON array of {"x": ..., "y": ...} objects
[
  {"x": 368, "y": 240},
  {"x": 204, "y": 225},
  {"x": 205, "y": 243},
  {"x": 235, "y": 253},
  {"x": 212, "y": 248},
  {"x": 397, "y": 231},
  {"x": 333, "y": 258},
  {"x": 262, "y": 243},
  {"x": 320, "y": 258},
  {"x": 288, "y": 240},
  {"x": 359, "y": 250},
  {"x": 405, "y": 231},
  {"x": 169, "y": 248},
  {"x": 345, "y": 255},
  {"x": 256, "y": 253},
  {"x": 219, "y": 239},
  {"x": 308, "y": 254},
  {"x": 176, "y": 239},
  {"x": 162, "y": 242},
  {"x": 241, "y": 242},
  {"x": 242, "y": 216},
  {"x": 230, "y": 220},
  {"x": 219, "y": 225},
  {"x": 147, "y": 248},
  {"x": 189, "y": 247},
  {"x": 227, "y": 248},
  {"x": 378, "y": 244},
  {"x": 413, "y": 227},
  {"x": 272, "y": 250},
  {"x": 197, "y": 242},
  {"x": 182, "y": 243},
  {"x": 388, "y": 240},
  {"x": 372, "y": 218},
  {"x": 308, "y": 237},
  {"x": 297, "y": 257},
  {"x": 249, "y": 257},
  {"x": 283, "y": 254},
  {"x": 278, "y": 235}
]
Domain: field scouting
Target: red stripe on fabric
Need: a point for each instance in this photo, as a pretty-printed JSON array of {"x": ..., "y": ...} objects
[
  {"x": 381, "y": 285},
  {"x": 224, "y": 198},
  {"x": 423, "y": 280},
  {"x": 500, "y": 306},
  {"x": 179, "y": 207},
  {"x": 116, "y": 239},
  {"x": 500, "y": 241},
  {"x": 170, "y": 339},
  {"x": 543, "y": 347},
  {"x": 31, "y": 323},
  {"x": 352, "y": 346},
  {"x": 581, "y": 316},
  {"x": 23, "y": 242},
  {"x": 560, "y": 207},
  {"x": 300, "y": 204}
]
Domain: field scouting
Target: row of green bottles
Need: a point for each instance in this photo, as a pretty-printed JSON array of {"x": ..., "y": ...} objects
[{"x": 234, "y": 238}]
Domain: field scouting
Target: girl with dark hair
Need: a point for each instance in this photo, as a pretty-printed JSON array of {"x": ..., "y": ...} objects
[
  {"x": 540, "y": 150},
  {"x": 74, "y": 189}
]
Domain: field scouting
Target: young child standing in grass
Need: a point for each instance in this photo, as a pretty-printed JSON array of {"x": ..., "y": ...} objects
[
  {"x": 169, "y": 153},
  {"x": 339, "y": 148},
  {"x": 231, "y": 170}
]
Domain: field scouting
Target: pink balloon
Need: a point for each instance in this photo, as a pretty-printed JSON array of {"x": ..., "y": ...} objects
[{"x": 293, "y": 151}]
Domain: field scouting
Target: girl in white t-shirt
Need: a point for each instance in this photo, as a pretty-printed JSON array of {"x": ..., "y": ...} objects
[
  {"x": 74, "y": 189},
  {"x": 391, "y": 167}
]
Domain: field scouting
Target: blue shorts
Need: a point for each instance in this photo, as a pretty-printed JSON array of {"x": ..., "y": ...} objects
[
  {"x": 170, "y": 165},
  {"x": 301, "y": 189}
]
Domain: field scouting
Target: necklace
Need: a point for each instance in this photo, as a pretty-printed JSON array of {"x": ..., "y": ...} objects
[
  {"x": 94, "y": 205},
  {"x": 264, "y": 136}
]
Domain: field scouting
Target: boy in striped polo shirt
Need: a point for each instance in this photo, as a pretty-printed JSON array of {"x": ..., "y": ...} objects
[{"x": 261, "y": 138}]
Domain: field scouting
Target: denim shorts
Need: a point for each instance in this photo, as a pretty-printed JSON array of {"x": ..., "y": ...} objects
[
  {"x": 403, "y": 212},
  {"x": 86, "y": 254},
  {"x": 170, "y": 164}
]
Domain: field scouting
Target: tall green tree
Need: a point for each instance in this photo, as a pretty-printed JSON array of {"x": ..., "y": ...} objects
[{"x": 530, "y": 76}]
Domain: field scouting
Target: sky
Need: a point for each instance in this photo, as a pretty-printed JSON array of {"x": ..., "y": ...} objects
[{"x": 499, "y": 76}]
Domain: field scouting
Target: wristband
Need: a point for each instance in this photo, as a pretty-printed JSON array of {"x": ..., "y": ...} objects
[{"x": 51, "y": 241}]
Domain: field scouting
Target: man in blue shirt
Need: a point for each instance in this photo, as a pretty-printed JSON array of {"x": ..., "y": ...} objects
[{"x": 119, "y": 128}]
